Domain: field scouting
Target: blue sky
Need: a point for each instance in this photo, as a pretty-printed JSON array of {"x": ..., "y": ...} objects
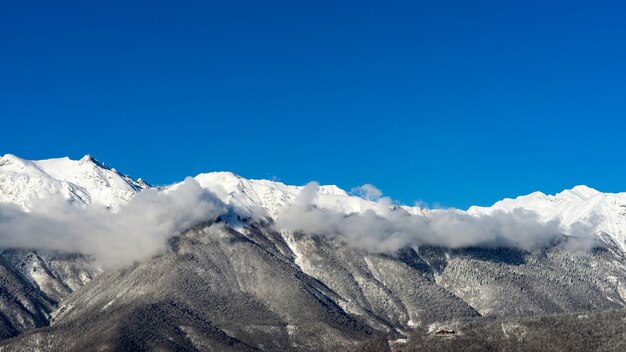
[{"x": 451, "y": 103}]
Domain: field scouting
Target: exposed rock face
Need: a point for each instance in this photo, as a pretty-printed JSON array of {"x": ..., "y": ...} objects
[{"x": 32, "y": 285}]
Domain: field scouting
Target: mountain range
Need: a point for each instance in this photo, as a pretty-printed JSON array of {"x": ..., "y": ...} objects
[{"x": 95, "y": 260}]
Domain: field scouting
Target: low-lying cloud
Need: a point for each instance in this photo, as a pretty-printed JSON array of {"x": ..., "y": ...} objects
[
  {"x": 368, "y": 191},
  {"x": 141, "y": 229},
  {"x": 387, "y": 230},
  {"x": 138, "y": 231}
]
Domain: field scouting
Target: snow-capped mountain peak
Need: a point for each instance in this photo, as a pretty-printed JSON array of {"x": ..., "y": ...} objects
[
  {"x": 580, "y": 192},
  {"x": 603, "y": 213},
  {"x": 272, "y": 196},
  {"x": 86, "y": 181}
]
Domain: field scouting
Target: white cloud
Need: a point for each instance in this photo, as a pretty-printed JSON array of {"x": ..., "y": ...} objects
[
  {"x": 138, "y": 231},
  {"x": 142, "y": 228},
  {"x": 367, "y": 191},
  {"x": 392, "y": 230}
]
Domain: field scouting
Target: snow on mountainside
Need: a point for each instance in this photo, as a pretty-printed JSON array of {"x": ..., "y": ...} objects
[
  {"x": 274, "y": 196},
  {"x": 83, "y": 182},
  {"x": 246, "y": 285},
  {"x": 35, "y": 281},
  {"x": 87, "y": 181},
  {"x": 603, "y": 212}
]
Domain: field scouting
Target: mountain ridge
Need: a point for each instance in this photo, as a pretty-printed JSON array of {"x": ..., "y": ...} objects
[{"x": 266, "y": 276}]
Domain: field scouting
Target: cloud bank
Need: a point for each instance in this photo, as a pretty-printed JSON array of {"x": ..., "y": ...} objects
[
  {"x": 387, "y": 230},
  {"x": 138, "y": 231},
  {"x": 141, "y": 229}
]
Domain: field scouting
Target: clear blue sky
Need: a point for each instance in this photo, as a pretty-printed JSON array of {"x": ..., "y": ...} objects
[{"x": 447, "y": 102}]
